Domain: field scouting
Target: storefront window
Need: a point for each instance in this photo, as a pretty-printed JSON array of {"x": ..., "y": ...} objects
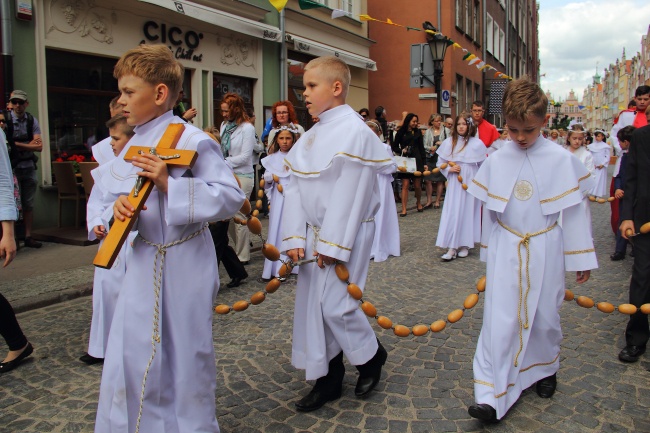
[
  {"x": 80, "y": 88},
  {"x": 223, "y": 84}
]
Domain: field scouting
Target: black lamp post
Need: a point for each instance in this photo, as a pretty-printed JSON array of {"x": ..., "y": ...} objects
[
  {"x": 556, "y": 121},
  {"x": 438, "y": 45}
]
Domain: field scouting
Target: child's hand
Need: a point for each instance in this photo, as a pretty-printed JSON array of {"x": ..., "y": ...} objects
[
  {"x": 123, "y": 208},
  {"x": 324, "y": 260},
  {"x": 100, "y": 232},
  {"x": 454, "y": 169},
  {"x": 618, "y": 194},
  {"x": 154, "y": 169},
  {"x": 582, "y": 276},
  {"x": 296, "y": 254}
]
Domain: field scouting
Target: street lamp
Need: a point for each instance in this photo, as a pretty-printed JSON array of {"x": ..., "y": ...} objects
[
  {"x": 438, "y": 45},
  {"x": 556, "y": 121}
]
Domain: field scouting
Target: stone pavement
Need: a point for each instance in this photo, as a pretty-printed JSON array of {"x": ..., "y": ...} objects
[{"x": 426, "y": 384}]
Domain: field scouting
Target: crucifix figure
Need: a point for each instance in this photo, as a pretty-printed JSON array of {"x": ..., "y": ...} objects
[{"x": 166, "y": 151}]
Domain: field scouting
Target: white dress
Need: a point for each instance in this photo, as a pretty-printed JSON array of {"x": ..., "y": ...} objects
[
  {"x": 333, "y": 197},
  {"x": 600, "y": 152},
  {"x": 520, "y": 338},
  {"x": 387, "y": 241},
  {"x": 460, "y": 222},
  {"x": 274, "y": 164},
  {"x": 181, "y": 382},
  {"x": 587, "y": 160}
]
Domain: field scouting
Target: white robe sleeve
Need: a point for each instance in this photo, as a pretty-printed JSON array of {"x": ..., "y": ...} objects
[
  {"x": 211, "y": 194},
  {"x": 444, "y": 171},
  {"x": 294, "y": 221},
  {"x": 353, "y": 192},
  {"x": 489, "y": 218},
  {"x": 94, "y": 209},
  {"x": 579, "y": 252}
]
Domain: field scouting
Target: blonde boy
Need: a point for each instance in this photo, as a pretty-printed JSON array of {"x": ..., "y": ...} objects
[
  {"x": 519, "y": 344},
  {"x": 106, "y": 282},
  {"x": 172, "y": 302},
  {"x": 333, "y": 196}
]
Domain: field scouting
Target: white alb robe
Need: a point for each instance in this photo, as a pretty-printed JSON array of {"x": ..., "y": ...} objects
[
  {"x": 333, "y": 197},
  {"x": 106, "y": 282},
  {"x": 386, "y": 242},
  {"x": 600, "y": 151},
  {"x": 587, "y": 160},
  {"x": 526, "y": 190},
  {"x": 181, "y": 382},
  {"x": 460, "y": 222},
  {"x": 274, "y": 164}
]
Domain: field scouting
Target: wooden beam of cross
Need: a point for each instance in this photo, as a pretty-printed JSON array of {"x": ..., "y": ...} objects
[{"x": 120, "y": 229}]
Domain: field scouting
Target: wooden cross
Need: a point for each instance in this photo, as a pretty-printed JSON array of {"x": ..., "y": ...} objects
[{"x": 120, "y": 229}]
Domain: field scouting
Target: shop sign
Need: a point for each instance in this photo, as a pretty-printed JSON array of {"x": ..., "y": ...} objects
[{"x": 183, "y": 43}]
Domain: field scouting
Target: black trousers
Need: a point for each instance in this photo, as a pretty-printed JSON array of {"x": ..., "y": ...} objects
[
  {"x": 225, "y": 253},
  {"x": 638, "y": 332},
  {"x": 9, "y": 327}
]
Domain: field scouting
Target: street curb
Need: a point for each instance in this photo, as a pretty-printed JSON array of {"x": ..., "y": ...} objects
[{"x": 48, "y": 299}]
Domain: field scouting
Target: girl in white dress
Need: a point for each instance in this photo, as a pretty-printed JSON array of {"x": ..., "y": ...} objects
[
  {"x": 460, "y": 223},
  {"x": 600, "y": 151},
  {"x": 283, "y": 139},
  {"x": 386, "y": 242}
]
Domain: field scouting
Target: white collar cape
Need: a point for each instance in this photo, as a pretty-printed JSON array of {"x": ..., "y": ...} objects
[
  {"x": 474, "y": 151},
  {"x": 117, "y": 176},
  {"x": 597, "y": 146},
  {"x": 340, "y": 134},
  {"x": 560, "y": 177},
  {"x": 275, "y": 164}
]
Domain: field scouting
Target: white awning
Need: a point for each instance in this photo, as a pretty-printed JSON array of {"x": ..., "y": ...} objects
[
  {"x": 317, "y": 49},
  {"x": 220, "y": 18}
]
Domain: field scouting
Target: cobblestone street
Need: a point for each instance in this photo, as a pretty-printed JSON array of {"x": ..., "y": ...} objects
[{"x": 426, "y": 383}]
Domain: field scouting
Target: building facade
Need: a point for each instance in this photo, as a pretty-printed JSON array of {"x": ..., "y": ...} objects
[{"x": 501, "y": 33}]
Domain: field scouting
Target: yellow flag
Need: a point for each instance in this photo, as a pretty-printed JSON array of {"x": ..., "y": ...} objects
[
  {"x": 366, "y": 18},
  {"x": 279, "y": 4}
]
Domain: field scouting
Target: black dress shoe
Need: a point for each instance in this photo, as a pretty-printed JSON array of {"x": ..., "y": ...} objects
[
  {"x": 320, "y": 394},
  {"x": 617, "y": 256},
  {"x": 90, "y": 360},
  {"x": 31, "y": 243},
  {"x": 245, "y": 263},
  {"x": 327, "y": 388},
  {"x": 631, "y": 353},
  {"x": 546, "y": 387},
  {"x": 6, "y": 367},
  {"x": 235, "y": 282},
  {"x": 483, "y": 412},
  {"x": 370, "y": 373}
]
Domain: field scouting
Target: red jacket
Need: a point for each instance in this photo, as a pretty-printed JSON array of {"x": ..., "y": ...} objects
[{"x": 487, "y": 132}]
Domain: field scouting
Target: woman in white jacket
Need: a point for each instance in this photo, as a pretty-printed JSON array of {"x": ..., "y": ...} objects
[{"x": 237, "y": 143}]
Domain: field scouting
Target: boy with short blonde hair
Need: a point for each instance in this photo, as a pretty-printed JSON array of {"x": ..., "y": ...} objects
[
  {"x": 334, "y": 197},
  {"x": 519, "y": 344},
  {"x": 162, "y": 327}
]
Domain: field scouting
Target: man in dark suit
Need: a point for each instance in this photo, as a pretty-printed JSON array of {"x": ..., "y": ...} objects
[
  {"x": 624, "y": 137},
  {"x": 635, "y": 211}
]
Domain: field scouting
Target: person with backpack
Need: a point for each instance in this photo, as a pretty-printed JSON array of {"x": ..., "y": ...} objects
[{"x": 25, "y": 141}]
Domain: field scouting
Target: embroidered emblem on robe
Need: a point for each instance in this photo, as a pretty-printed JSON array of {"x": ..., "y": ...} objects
[{"x": 523, "y": 190}]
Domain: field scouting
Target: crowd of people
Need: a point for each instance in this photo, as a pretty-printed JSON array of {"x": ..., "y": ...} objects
[{"x": 331, "y": 194}]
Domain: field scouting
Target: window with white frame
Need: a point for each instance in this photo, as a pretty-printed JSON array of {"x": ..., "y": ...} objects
[
  {"x": 497, "y": 46},
  {"x": 347, "y": 6},
  {"x": 459, "y": 13},
  {"x": 468, "y": 93},
  {"x": 489, "y": 34},
  {"x": 466, "y": 21},
  {"x": 502, "y": 46},
  {"x": 460, "y": 94}
]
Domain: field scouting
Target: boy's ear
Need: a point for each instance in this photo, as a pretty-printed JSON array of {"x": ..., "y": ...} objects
[
  {"x": 337, "y": 88},
  {"x": 548, "y": 116},
  {"x": 162, "y": 94}
]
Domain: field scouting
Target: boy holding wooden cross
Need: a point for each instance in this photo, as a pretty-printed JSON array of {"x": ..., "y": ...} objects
[{"x": 162, "y": 328}]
